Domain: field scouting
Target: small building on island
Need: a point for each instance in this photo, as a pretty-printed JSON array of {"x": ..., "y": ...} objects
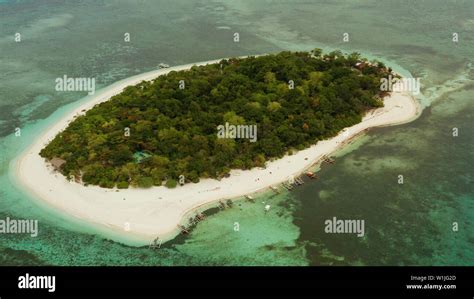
[
  {"x": 360, "y": 65},
  {"x": 57, "y": 163}
]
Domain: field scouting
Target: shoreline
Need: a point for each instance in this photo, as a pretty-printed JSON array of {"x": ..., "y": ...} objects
[{"x": 145, "y": 214}]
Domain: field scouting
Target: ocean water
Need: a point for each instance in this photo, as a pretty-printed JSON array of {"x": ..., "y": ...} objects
[{"x": 405, "y": 224}]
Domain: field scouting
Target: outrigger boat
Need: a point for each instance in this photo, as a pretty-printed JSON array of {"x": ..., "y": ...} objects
[
  {"x": 328, "y": 160},
  {"x": 156, "y": 243},
  {"x": 299, "y": 181},
  {"x": 200, "y": 216},
  {"x": 163, "y": 65},
  {"x": 274, "y": 189},
  {"x": 288, "y": 186},
  {"x": 183, "y": 229},
  {"x": 221, "y": 205},
  {"x": 249, "y": 197}
]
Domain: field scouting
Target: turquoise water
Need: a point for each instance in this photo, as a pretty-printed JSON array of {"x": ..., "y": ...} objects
[{"x": 409, "y": 224}]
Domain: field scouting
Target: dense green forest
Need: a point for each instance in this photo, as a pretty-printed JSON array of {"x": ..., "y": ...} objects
[{"x": 156, "y": 131}]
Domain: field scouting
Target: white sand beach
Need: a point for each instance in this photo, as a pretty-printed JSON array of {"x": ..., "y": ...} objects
[{"x": 149, "y": 213}]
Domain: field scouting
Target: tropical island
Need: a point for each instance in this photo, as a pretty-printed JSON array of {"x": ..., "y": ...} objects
[
  {"x": 163, "y": 131},
  {"x": 173, "y": 132}
]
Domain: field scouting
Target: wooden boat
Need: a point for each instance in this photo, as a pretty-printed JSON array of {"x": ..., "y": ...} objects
[
  {"x": 328, "y": 160},
  {"x": 288, "y": 186},
  {"x": 156, "y": 243},
  {"x": 221, "y": 205},
  {"x": 183, "y": 229}
]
